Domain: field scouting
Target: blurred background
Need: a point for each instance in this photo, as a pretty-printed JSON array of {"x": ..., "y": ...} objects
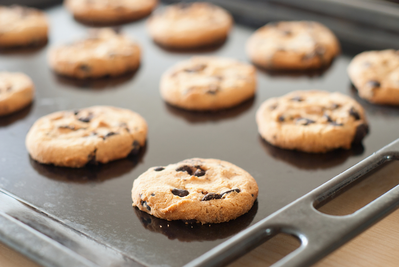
[{"x": 357, "y": 23}]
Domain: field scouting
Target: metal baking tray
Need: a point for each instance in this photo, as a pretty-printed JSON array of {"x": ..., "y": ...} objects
[{"x": 83, "y": 217}]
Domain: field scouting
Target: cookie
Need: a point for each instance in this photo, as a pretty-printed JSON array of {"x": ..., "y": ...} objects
[
  {"x": 201, "y": 190},
  {"x": 22, "y": 26},
  {"x": 208, "y": 83},
  {"x": 375, "y": 74},
  {"x": 110, "y": 12},
  {"x": 312, "y": 121},
  {"x": 292, "y": 45},
  {"x": 16, "y": 92},
  {"x": 91, "y": 135},
  {"x": 104, "y": 53},
  {"x": 190, "y": 25}
]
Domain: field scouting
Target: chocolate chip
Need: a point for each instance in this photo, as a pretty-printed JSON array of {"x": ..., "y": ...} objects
[
  {"x": 373, "y": 84},
  {"x": 199, "y": 172},
  {"x": 297, "y": 98},
  {"x": 252, "y": 195},
  {"x": 153, "y": 194},
  {"x": 319, "y": 52},
  {"x": 185, "y": 168},
  {"x": 135, "y": 148},
  {"x": 92, "y": 158},
  {"x": 70, "y": 127},
  {"x": 85, "y": 119},
  {"x": 361, "y": 131},
  {"x": 213, "y": 89},
  {"x": 335, "y": 106},
  {"x": 328, "y": 118},
  {"x": 158, "y": 169},
  {"x": 195, "y": 68},
  {"x": 304, "y": 121},
  {"x": 180, "y": 192},
  {"x": 9, "y": 88},
  {"x": 76, "y": 112},
  {"x": 211, "y": 196},
  {"x": 145, "y": 205},
  {"x": 84, "y": 68},
  {"x": 230, "y": 191},
  {"x": 281, "y": 118},
  {"x": 354, "y": 113},
  {"x": 109, "y": 134}
]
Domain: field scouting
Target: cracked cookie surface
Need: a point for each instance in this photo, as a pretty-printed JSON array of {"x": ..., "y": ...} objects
[
  {"x": 201, "y": 190},
  {"x": 190, "y": 25},
  {"x": 91, "y": 135},
  {"x": 110, "y": 11},
  {"x": 292, "y": 45},
  {"x": 312, "y": 121},
  {"x": 208, "y": 83},
  {"x": 16, "y": 92},
  {"x": 104, "y": 53},
  {"x": 375, "y": 74},
  {"x": 22, "y": 26}
]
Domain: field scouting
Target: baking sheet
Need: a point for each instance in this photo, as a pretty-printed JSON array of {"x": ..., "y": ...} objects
[{"x": 97, "y": 201}]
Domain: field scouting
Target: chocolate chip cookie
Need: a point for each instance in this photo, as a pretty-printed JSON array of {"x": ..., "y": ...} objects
[
  {"x": 16, "y": 92},
  {"x": 202, "y": 190},
  {"x": 293, "y": 45},
  {"x": 104, "y": 53},
  {"x": 312, "y": 121},
  {"x": 375, "y": 74},
  {"x": 110, "y": 11},
  {"x": 208, "y": 83},
  {"x": 22, "y": 26},
  {"x": 91, "y": 135},
  {"x": 190, "y": 25}
]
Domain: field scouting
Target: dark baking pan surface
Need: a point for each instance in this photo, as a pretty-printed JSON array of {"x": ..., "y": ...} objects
[{"x": 97, "y": 201}]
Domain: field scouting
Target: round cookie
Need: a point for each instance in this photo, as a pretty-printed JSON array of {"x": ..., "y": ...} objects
[
  {"x": 22, "y": 26},
  {"x": 312, "y": 121},
  {"x": 292, "y": 45},
  {"x": 190, "y": 25},
  {"x": 208, "y": 83},
  {"x": 90, "y": 135},
  {"x": 202, "y": 190},
  {"x": 104, "y": 53},
  {"x": 110, "y": 11},
  {"x": 375, "y": 74},
  {"x": 16, "y": 92}
]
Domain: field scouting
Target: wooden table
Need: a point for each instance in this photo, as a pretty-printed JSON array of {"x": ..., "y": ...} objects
[{"x": 378, "y": 246}]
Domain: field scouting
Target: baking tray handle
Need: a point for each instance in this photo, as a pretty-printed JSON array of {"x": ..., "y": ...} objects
[
  {"x": 37, "y": 246},
  {"x": 319, "y": 233}
]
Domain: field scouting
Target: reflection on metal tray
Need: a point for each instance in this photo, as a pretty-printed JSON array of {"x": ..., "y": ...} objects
[{"x": 95, "y": 205}]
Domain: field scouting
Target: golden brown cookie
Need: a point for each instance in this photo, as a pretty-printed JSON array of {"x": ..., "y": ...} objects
[
  {"x": 22, "y": 26},
  {"x": 208, "y": 83},
  {"x": 91, "y": 135},
  {"x": 104, "y": 53},
  {"x": 203, "y": 190},
  {"x": 189, "y": 25},
  {"x": 375, "y": 74},
  {"x": 16, "y": 92},
  {"x": 293, "y": 45},
  {"x": 110, "y": 11},
  {"x": 312, "y": 121}
]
